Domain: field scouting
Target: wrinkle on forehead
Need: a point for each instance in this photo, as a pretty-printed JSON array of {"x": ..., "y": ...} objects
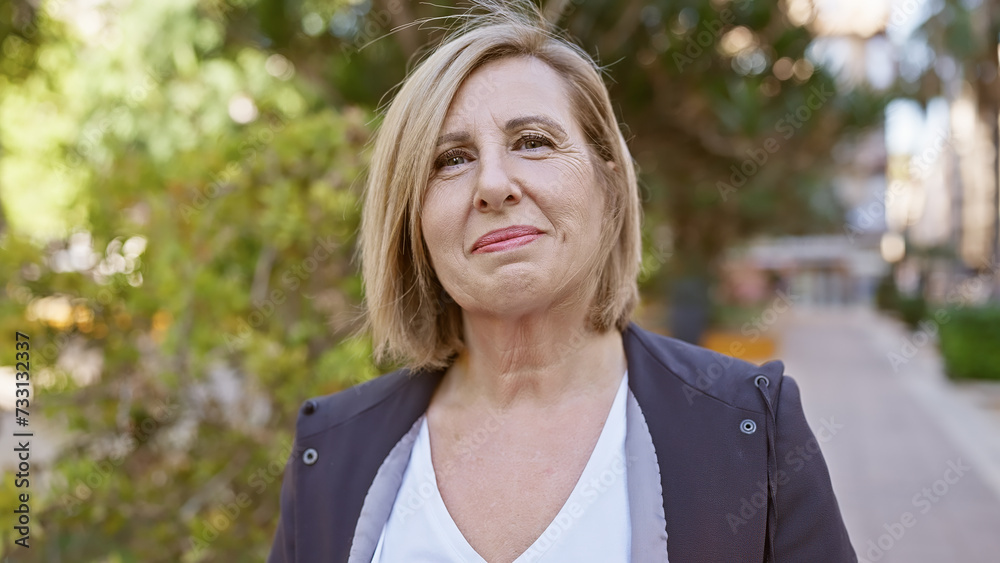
[{"x": 481, "y": 87}]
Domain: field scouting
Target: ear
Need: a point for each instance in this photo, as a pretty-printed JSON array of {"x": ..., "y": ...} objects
[{"x": 611, "y": 164}]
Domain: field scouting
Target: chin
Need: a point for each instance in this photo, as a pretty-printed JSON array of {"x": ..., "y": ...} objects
[{"x": 512, "y": 302}]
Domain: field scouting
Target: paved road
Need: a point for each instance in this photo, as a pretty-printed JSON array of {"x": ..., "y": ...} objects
[{"x": 915, "y": 463}]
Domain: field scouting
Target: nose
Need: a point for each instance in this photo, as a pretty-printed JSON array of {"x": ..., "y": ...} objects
[{"x": 494, "y": 186}]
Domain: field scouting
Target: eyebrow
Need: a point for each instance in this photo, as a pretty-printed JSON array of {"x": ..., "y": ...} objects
[
  {"x": 518, "y": 122},
  {"x": 511, "y": 125},
  {"x": 449, "y": 137}
]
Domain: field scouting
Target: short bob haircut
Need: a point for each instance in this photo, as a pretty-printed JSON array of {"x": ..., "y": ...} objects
[{"x": 411, "y": 318}]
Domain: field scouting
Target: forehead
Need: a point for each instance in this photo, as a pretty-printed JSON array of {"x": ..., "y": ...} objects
[{"x": 508, "y": 88}]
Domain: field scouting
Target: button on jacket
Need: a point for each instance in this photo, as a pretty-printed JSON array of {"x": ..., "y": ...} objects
[{"x": 727, "y": 434}]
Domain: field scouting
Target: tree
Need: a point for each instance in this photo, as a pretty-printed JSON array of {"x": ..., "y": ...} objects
[
  {"x": 963, "y": 38},
  {"x": 212, "y": 277}
]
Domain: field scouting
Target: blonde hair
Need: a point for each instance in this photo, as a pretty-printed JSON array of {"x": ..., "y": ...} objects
[{"x": 409, "y": 315}]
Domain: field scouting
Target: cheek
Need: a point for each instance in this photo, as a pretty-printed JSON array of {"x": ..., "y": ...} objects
[
  {"x": 442, "y": 225},
  {"x": 571, "y": 199}
]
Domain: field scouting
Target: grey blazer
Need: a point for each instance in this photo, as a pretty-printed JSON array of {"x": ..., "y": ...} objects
[{"x": 740, "y": 474}]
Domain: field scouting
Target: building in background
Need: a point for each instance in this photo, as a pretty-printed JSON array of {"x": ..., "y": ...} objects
[
  {"x": 923, "y": 194},
  {"x": 814, "y": 271}
]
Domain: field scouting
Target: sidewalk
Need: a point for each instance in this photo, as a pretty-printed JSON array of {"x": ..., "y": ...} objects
[{"x": 916, "y": 463}]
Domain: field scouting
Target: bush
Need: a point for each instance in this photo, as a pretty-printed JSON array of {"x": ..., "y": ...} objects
[
  {"x": 886, "y": 294},
  {"x": 911, "y": 310},
  {"x": 970, "y": 343}
]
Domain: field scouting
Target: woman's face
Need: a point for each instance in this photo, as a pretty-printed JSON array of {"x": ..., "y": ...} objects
[{"x": 512, "y": 212}]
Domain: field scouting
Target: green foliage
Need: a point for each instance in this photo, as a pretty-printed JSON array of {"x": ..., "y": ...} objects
[
  {"x": 217, "y": 286},
  {"x": 727, "y": 150},
  {"x": 969, "y": 343},
  {"x": 886, "y": 294},
  {"x": 736, "y": 317},
  {"x": 912, "y": 309}
]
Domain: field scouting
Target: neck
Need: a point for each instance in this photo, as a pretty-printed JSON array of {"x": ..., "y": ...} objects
[{"x": 537, "y": 360}]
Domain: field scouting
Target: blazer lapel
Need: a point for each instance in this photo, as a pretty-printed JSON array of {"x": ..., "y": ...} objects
[
  {"x": 711, "y": 473},
  {"x": 350, "y": 453},
  {"x": 645, "y": 494}
]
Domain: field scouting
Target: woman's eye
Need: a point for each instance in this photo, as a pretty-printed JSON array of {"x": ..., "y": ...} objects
[
  {"x": 534, "y": 142},
  {"x": 451, "y": 158}
]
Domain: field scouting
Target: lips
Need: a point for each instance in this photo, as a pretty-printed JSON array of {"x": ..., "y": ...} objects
[{"x": 504, "y": 239}]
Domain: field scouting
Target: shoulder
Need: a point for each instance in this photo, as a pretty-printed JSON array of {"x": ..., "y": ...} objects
[
  {"x": 319, "y": 414},
  {"x": 703, "y": 372}
]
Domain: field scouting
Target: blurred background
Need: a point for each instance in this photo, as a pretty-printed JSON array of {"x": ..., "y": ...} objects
[{"x": 179, "y": 198}]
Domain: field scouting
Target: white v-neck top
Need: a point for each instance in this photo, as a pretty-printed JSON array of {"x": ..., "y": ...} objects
[{"x": 593, "y": 524}]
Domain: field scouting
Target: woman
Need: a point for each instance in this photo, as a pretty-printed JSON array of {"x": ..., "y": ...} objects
[{"x": 500, "y": 244}]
